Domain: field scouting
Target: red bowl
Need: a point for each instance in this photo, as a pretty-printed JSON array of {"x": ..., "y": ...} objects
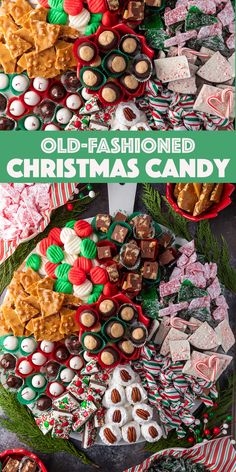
[
  {"x": 19, "y": 454},
  {"x": 211, "y": 213}
]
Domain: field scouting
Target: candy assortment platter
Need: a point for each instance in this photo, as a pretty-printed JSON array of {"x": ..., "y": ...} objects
[{"x": 117, "y": 65}]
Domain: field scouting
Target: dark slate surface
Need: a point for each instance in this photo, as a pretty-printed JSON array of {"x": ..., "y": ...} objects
[{"x": 116, "y": 459}]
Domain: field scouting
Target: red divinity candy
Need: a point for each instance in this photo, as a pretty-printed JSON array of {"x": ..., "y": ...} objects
[
  {"x": 97, "y": 6},
  {"x": 50, "y": 268},
  {"x": 73, "y": 7},
  {"x": 45, "y": 243},
  {"x": 83, "y": 263},
  {"x": 109, "y": 19},
  {"x": 109, "y": 289},
  {"x": 83, "y": 229},
  {"x": 55, "y": 233},
  {"x": 98, "y": 275},
  {"x": 44, "y": 3},
  {"x": 76, "y": 276}
]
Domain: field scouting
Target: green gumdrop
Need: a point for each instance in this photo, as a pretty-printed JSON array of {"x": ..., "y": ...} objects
[
  {"x": 70, "y": 224},
  {"x": 63, "y": 287},
  {"x": 34, "y": 262},
  {"x": 196, "y": 19},
  {"x": 57, "y": 17},
  {"x": 55, "y": 254},
  {"x": 91, "y": 29},
  {"x": 96, "y": 17},
  {"x": 88, "y": 248},
  {"x": 56, "y": 4},
  {"x": 62, "y": 271}
]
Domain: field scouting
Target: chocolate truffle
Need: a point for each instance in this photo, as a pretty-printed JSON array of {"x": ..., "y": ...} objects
[
  {"x": 73, "y": 344},
  {"x": 111, "y": 93},
  {"x": 150, "y": 270},
  {"x": 109, "y": 356},
  {"x": 8, "y": 362},
  {"x": 104, "y": 252},
  {"x": 44, "y": 403},
  {"x": 126, "y": 347},
  {"x": 57, "y": 92},
  {"x": 6, "y": 124},
  {"x": 130, "y": 255},
  {"x": 71, "y": 81},
  {"x": 119, "y": 233},
  {"x": 116, "y": 63},
  {"x": 86, "y": 51},
  {"x": 107, "y": 40},
  {"x": 129, "y": 82},
  {"x": 62, "y": 354},
  {"x": 14, "y": 382},
  {"x": 107, "y": 308},
  {"x": 91, "y": 342},
  {"x": 148, "y": 249},
  {"x": 138, "y": 335},
  {"x": 142, "y": 68},
  {"x": 46, "y": 109},
  {"x": 3, "y": 102},
  {"x": 52, "y": 368},
  {"x": 129, "y": 45},
  {"x": 103, "y": 222},
  {"x": 92, "y": 78},
  {"x": 127, "y": 313},
  {"x": 115, "y": 330},
  {"x": 87, "y": 318}
]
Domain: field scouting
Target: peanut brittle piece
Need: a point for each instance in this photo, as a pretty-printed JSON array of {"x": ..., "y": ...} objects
[
  {"x": 50, "y": 302},
  {"x": 68, "y": 322},
  {"x": 3, "y": 326},
  {"x": 19, "y": 69},
  {"x": 33, "y": 289},
  {"x": 16, "y": 45},
  {"x": 71, "y": 301},
  {"x": 22, "y": 62},
  {"x": 39, "y": 14},
  {"x": 19, "y": 9},
  {"x": 41, "y": 64},
  {"x": 187, "y": 198},
  {"x": 25, "y": 34},
  {"x": 203, "y": 202},
  {"x": 15, "y": 289},
  {"x": 217, "y": 193},
  {"x": 13, "y": 321},
  {"x": 67, "y": 32},
  {"x": 64, "y": 57},
  {"x": 45, "y": 34},
  {"x": 6, "y": 6},
  {"x": 28, "y": 277},
  {"x": 177, "y": 189},
  {"x": 47, "y": 283},
  {"x": 30, "y": 327},
  {"x": 8, "y": 63},
  {"x": 7, "y": 24},
  {"x": 25, "y": 310},
  {"x": 47, "y": 328},
  {"x": 197, "y": 188}
]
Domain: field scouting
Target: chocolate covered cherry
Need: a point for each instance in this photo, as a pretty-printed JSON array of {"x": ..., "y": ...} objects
[
  {"x": 6, "y": 124},
  {"x": 57, "y": 92},
  {"x": 14, "y": 382},
  {"x": 73, "y": 344},
  {"x": 44, "y": 403},
  {"x": 61, "y": 353},
  {"x": 3, "y": 102},
  {"x": 52, "y": 369},
  {"x": 71, "y": 81},
  {"x": 8, "y": 362},
  {"x": 46, "y": 109}
]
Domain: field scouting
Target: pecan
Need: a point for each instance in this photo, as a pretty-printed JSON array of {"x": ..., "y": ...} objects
[
  {"x": 142, "y": 413},
  {"x": 129, "y": 114},
  {"x": 136, "y": 396},
  {"x": 131, "y": 434},
  {"x": 116, "y": 418},
  {"x": 153, "y": 432},
  {"x": 115, "y": 396},
  {"x": 125, "y": 375},
  {"x": 110, "y": 437}
]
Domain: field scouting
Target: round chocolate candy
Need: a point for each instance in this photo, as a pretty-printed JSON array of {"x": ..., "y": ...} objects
[
  {"x": 52, "y": 368},
  {"x": 8, "y": 362},
  {"x": 107, "y": 308},
  {"x": 116, "y": 63},
  {"x": 28, "y": 394},
  {"x": 57, "y": 92},
  {"x": 73, "y": 344},
  {"x": 3, "y": 102},
  {"x": 66, "y": 375},
  {"x": 107, "y": 40},
  {"x": 87, "y": 318},
  {"x": 38, "y": 381},
  {"x": 28, "y": 345},
  {"x": 73, "y": 102},
  {"x": 86, "y": 51},
  {"x": 62, "y": 354},
  {"x": 16, "y": 108},
  {"x": 20, "y": 83},
  {"x": 115, "y": 330},
  {"x": 129, "y": 44},
  {"x": 32, "y": 123},
  {"x": 127, "y": 313},
  {"x": 6, "y": 124},
  {"x": 91, "y": 342},
  {"x": 56, "y": 389},
  {"x": 47, "y": 346},
  {"x": 92, "y": 78},
  {"x": 25, "y": 367},
  {"x": 138, "y": 335},
  {"x": 10, "y": 343},
  {"x": 142, "y": 68},
  {"x": 38, "y": 359},
  {"x": 111, "y": 93},
  {"x": 63, "y": 115},
  {"x": 44, "y": 403},
  {"x": 71, "y": 81},
  {"x": 40, "y": 84},
  {"x": 109, "y": 356},
  {"x": 126, "y": 346},
  {"x": 129, "y": 82},
  {"x": 31, "y": 98},
  {"x": 76, "y": 363},
  {"x": 46, "y": 109},
  {"x": 14, "y": 382}
]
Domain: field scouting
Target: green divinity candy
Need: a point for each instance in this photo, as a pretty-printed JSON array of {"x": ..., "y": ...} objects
[
  {"x": 34, "y": 262},
  {"x": 55, "y": 254},
  {"x": 195, "y": 19},
  {"x": 57, "y": 17},
  {"x": 62, "y": 271},
  {"x": 88, "y": 248},
  {"x": 63, "y": 287},
  {"x": 71, "y": 224}
]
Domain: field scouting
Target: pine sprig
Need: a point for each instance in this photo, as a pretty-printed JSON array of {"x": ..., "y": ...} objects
[
  {"x": 59, "y": 218},
  {"x": 206, "y": 242},
  {"x": 20, "y": 421}
]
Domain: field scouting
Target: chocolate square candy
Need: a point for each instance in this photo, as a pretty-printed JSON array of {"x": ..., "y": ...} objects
[
  {"x": 133, "y": 282},
  {"x": 150, "y": 270},
  {"x": 119, "y": 233},
  {"x": 153, "y": 3},
  {"x": 149, "y": 249},
  {"x": 120, "y": 216},
  {"x": 104, "y": 252},
  {"x": 135, "y": 11},
  {"x": 103, "y": 222},
  {"x": 130, "y": 255},
  {"x": 12, "y": 465},
  {"x": 113, "y": 273},
  {"x": 167, "y": 257},
  {"x": 165, "y": 239},
  {"x": 28, "y": 465},
  {"x": 143, "y": 226}
]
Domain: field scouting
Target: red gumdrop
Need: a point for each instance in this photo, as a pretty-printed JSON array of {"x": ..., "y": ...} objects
[
  {"x": 55, "y": 233},
  {"x": 97, "y": 6},
  {"x": 73, "y": 7},
  {"x": 83, "y": 229},
  {"x": 76, "y": 276},
  {"x": 83, "y": 263},
  {"x": 50, "y": 269},
  {"x": 44, "y": 244},
  {"x": 98, "y": 275},
  {"x": 109, "y": 290},
  {"x": 110, "y": 19}
]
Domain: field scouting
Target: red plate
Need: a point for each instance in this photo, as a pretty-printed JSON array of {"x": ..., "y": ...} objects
[{"x": 19, "y": 454}]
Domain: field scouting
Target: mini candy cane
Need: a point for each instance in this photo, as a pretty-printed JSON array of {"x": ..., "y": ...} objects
[
  {"x": 177, "y": 322},
  {"x": 211, "y": 362},
  {"x": 225, "y": 98},
  {"x": 181, "y": 51}
]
